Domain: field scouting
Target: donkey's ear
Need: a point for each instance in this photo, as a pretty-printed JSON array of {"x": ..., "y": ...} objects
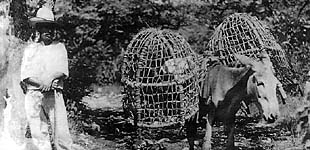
[
  {"x": 263, "y": 54},
  {"x": 264, "y": 58},
  {"x": 255, "y": 65},
  {"x": 245, "y": 60}
]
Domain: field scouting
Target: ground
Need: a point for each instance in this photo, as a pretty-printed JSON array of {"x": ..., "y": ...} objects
[{"x": 108, "y": 130}]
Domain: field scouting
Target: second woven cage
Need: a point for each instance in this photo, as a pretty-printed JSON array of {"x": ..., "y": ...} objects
[
  {"x": 160, "y": 78},
  {"x": 244, "y": 34}
]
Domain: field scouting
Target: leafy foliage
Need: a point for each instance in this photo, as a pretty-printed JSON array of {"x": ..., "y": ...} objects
[{"x": 290, "y": 24}]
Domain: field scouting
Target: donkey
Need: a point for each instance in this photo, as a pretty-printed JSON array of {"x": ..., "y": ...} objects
[{"x": 223, "y": 90}]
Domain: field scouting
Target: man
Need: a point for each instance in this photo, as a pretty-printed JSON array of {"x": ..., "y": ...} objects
[{"x": 44, "y": 67}]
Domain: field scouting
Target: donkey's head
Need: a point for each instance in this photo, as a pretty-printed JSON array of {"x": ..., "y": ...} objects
[{"x": 263, "y": 85}]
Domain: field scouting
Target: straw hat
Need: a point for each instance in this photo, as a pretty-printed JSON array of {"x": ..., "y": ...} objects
[{"x": 44, "y": 16}]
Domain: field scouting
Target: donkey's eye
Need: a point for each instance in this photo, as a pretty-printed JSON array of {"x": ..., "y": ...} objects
[{"x": 260, "y": 84}]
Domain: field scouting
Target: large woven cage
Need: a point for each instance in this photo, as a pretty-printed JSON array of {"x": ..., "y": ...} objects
[
  {"x": 244, "y": 34},
  {"x": 160, "y": 78}
]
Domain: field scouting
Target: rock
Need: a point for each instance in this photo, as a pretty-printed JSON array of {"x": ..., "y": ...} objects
[
  {"x": 267, "y": 140},
  {"x": 121, "y": 144},
  {"x": 149, "y": 142},
  {"x": 163, "y": 140},
  {"x": 95, "y": 127}
]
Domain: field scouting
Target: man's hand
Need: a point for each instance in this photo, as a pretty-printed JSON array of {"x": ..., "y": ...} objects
[
  {"x": 48, "y": 84},
  {"x": 55, "y": 83},
  {"x": 45, "y": 87}
]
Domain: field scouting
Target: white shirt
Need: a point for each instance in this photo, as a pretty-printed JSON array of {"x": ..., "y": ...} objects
[{"x": 41, "y": 61}]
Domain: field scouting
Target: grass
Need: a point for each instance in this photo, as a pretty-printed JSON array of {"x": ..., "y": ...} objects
[
  {"x": 290, "y": 121},
  {"x": 289, "y": 117}
]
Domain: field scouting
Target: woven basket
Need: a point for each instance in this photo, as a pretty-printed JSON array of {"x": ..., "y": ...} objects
[
  {"x": 160, "y": 78},
  {"x": 244, "y": 34}
]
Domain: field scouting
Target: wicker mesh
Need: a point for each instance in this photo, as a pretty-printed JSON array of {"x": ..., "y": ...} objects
[
  {"x": 160, "y": 78},
  {"x": 245, "y": 34}
]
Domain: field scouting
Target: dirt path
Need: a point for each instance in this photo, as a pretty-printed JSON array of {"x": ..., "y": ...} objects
[{"x": 111, "y": 131}]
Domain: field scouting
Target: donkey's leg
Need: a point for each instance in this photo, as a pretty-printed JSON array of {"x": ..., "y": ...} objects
[
  {"x": 261, "y": 121},
  {"x": 208, "y": 135},
  {"x": 230, "y": 129},
  {"x": 191, "y": 130}
]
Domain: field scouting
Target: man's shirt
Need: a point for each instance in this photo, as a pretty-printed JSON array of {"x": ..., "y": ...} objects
[{"x": 41, "y": 61}]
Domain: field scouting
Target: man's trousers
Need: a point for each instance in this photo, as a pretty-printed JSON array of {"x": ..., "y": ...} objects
[{"x": 47, "y": 118}]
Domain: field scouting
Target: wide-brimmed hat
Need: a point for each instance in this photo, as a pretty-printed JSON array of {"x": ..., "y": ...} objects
[{"x": 44, "y": 16}]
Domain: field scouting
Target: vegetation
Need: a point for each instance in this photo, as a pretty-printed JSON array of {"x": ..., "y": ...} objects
[{"x": 97, "y": 33}]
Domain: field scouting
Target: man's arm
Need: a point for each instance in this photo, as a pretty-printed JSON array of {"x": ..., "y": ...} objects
[
  {"x": 33, "y": 81},
  {"x": 44, "y": 87},
  {"x": 57, "y": 75}
]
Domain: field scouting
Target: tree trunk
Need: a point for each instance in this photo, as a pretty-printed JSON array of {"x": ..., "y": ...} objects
[
  {"x": 4, "y": 44},
  {"x": 4, "y": 29},
  {"x": 20, "y": 25},
  {"x": 14, "y": 31},
  {"x": 10, "y": 75}
]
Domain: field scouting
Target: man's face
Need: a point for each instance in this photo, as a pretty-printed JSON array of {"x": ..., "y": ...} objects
[{"x": 46, "y": 34}]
